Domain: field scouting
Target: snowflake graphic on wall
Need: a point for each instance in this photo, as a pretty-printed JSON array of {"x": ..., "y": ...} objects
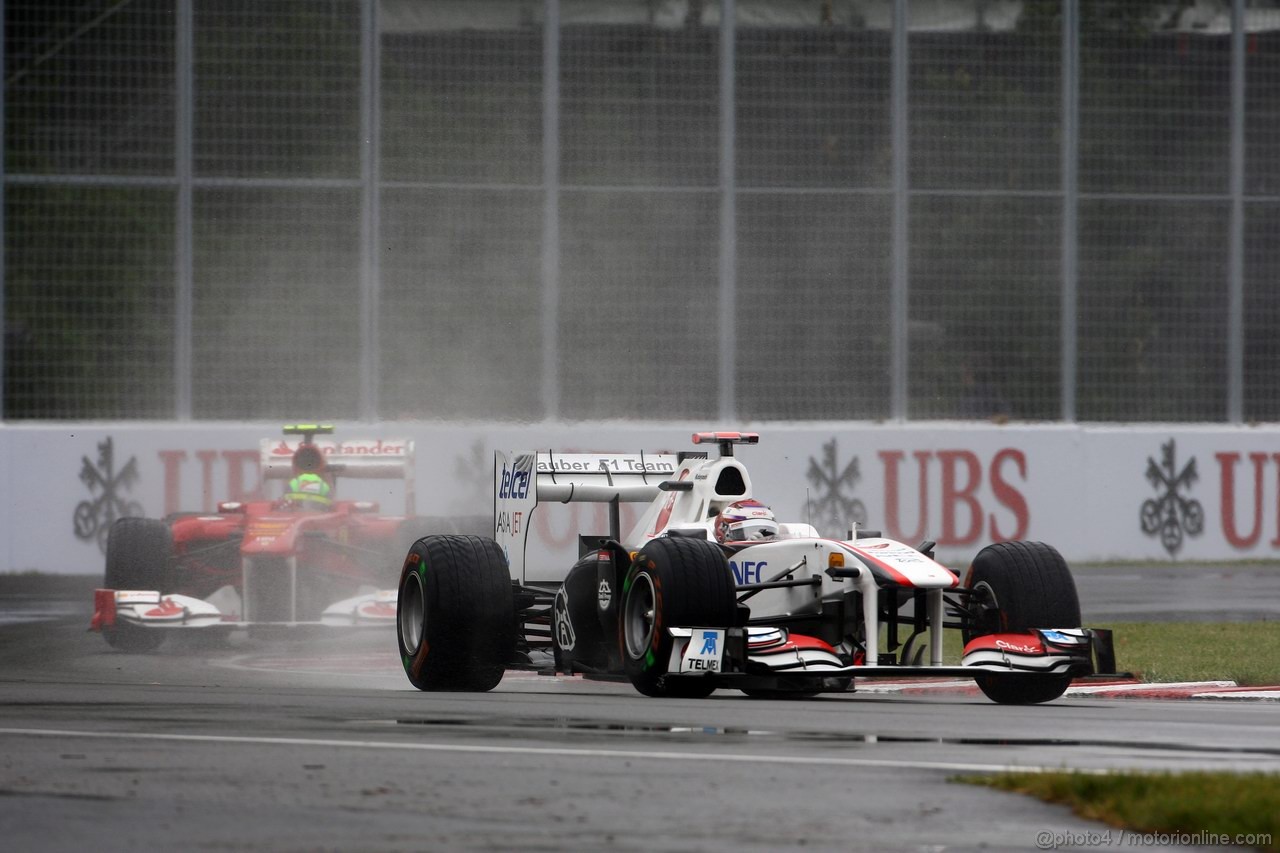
[
  {"x": 94, "y": 516},
  {"x": 834, "y": 509},
  {"x": 1171, "y": 515}
]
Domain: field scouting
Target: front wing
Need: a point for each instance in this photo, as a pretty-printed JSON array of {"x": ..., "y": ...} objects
[
  {"x": 730, "y": 655},
  {"x": 152, "y": 609}
]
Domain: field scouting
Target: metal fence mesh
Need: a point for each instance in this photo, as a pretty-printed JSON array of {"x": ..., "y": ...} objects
[
  {"x": 411, "y": 158},
  {"x": 277, "y": 88},
  {"x": 89, "y": 87},
  {"x": 460, "y": 329},
  {"x": 89, "y": 302},
  {"x": 1262, "y": 234},
  {"x": 276, "y": 302}
]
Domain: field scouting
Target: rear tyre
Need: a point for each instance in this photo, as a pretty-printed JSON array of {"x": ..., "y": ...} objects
[
  {"x": 138, "y": 552},
  {"x": 673, "y": 582},
  {"x": 576, "y": 631},
  {"x": 455, "y": 614},
  {"x": 1029, "y": 586}
]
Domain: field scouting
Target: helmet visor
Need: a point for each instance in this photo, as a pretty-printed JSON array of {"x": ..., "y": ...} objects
[{"x": 752, "y": 529}]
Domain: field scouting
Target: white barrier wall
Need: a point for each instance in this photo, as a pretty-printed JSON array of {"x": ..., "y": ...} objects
[{"x": 1154, "y": 492}]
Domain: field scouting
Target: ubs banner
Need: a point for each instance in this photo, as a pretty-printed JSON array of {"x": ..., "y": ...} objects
[{"x": 1098, "y": 493}]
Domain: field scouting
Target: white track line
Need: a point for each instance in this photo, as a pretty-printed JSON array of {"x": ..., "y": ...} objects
[
  {"x": 1241, "y": 695},
  {"x": 559, "y": 752},
  {"x": 1154, "y": 685}
]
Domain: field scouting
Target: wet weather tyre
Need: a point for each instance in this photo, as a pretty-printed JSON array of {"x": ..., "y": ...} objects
[
  {"x": 1028, "y": 586},
  {"x": 138, "y": 552},
  {"x": 133, "y": 638},
  {"x": 576, "y": 631},
  {"x": 455, "y": 614},
  {"x": 673, "y": 582}
]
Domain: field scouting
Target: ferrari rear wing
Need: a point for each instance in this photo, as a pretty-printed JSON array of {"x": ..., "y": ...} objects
[
  {"x": 369, "y": 458},
  {"x": 523, "y": 480}
]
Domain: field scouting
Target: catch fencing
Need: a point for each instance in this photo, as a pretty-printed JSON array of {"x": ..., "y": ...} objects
[{"x": 567, "y": 210}]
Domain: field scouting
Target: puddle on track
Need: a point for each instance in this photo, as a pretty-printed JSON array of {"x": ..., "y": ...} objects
[{"x": 556, "y": 728}]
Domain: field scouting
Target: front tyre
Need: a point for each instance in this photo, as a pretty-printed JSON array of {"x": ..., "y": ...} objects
[
  {"x": 455, "y": 614},
  {"x": 138, "y": 557},
  {"x": 673, "y": 582},
  {"x": 125, "y": 637},
  {"x": 1027, "y": 585},
  {"x": 138, "y": 552}
]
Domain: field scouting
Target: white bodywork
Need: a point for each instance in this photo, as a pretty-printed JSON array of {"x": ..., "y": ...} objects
[
  {"x": 696, "y": 489},
  {"x": 149, "y": 608}
]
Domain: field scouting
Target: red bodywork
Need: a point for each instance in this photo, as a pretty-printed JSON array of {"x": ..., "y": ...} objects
[{"x": 336, "y": 552}]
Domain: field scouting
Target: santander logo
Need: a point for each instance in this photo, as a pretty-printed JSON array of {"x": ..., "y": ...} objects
[{"x": 348, "y": 448}]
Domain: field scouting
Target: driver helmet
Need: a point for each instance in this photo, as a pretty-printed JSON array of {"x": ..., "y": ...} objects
[
  {"x": 308, "y": 459},
  {"x": 745, "y": 521}
]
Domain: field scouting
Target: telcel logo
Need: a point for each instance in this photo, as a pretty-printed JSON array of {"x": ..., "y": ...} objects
[{"x": 515, "y": 485}]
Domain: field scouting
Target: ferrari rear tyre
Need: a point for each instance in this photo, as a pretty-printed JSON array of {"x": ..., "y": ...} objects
[
  {"x": 455, "y": 614},
  {"x": 1028, "y": 586},
  {"x": 673, "y": 582}
]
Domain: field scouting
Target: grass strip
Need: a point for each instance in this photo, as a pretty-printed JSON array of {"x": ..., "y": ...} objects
[
  {"x": 1234, "y": 808},
  {"x": 1245, "y": 652}
]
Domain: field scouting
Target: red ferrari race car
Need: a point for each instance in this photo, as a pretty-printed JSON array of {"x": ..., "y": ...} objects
[
  {"x": 302, "y": 559},
  {"x": 709, "y": 591}
]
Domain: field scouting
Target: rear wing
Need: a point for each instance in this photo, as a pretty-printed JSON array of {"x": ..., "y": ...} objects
[
  {"x": 376, "y": 459},
  {"x": 523, "y": 480}
]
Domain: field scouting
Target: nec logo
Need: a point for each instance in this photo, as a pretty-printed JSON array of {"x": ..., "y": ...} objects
[
  {"x": 747, "y": 571},
  {"x": 515, "y": 485}
]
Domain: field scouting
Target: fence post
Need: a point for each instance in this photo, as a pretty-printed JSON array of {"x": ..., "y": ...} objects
[
  {"x": 370, "y": 209},
  {"x": 1070, "y": 205},
  {"x": 898, "y": 300},
  {"x": 551, "y": 209},
  {"x": 184, "y": 228},
  {"x": 728, "y": 215},
  {"x": 1235, "y": 262},
  {"x": 4, "y": 335}
]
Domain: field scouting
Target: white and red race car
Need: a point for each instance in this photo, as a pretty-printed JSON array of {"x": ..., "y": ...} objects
[{"x": 678, "y": 614}]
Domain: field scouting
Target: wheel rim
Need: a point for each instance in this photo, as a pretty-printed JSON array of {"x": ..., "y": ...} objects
[
  {"x": 412, "y": 613},
  {"x": 639, "y": 617}
]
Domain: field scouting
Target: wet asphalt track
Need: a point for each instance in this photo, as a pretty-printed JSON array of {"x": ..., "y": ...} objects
[{"x": 320, "y": 744}]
